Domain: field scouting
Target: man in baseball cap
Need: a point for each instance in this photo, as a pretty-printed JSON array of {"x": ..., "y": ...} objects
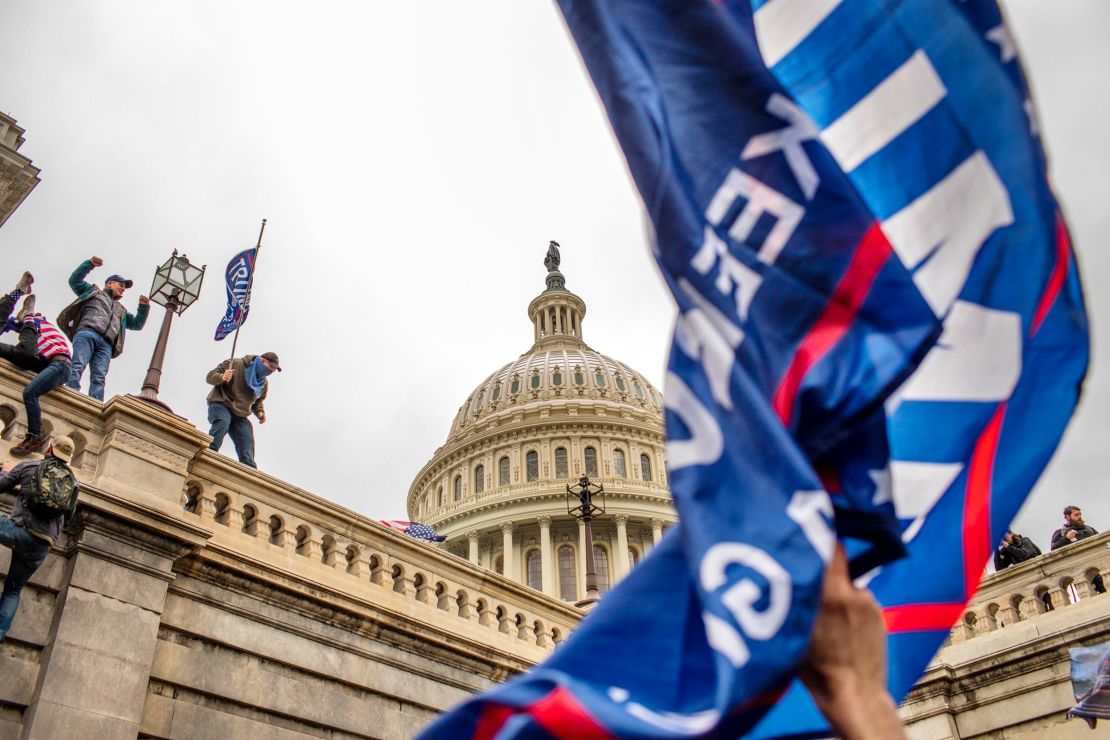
[
  {"x": 96, "y": 323},
  {"x": 240, "y": 387},
  {"x": 42, "y": 505}
]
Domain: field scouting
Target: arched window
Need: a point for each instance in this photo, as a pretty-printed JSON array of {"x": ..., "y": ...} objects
[
  {"x": 645, "y": 467},
  {"x": 481, "y": 399},
  {"x": 458, "y": 487},
  {"x": 479, "y": 479},
  {"x": 599, "y": 378},
  {"x": 535, "y": 382},
  {"x": 503, "y": 471},
  {"x": 601, "y": 565},
  {"x": 590, "y": 455},
  {"x": 579, "y": 378},
  {"x": 561, "y": 462},
  {"x": 532, "y": 465},
  {"x": 620, "y": 384},
  {"x": 557, "y": 377},
  {"x": 633, "y": 557},
  {"x": 535, "y": 580},
  {"x": 439, "y": 496},
  {"x": 618, "y": 464},
  {"x": 568, "y": 579},
  {"x": 514, "y": 387},
  {"x": 636, "y": 389},
  {"x": 495, "y": 394}
]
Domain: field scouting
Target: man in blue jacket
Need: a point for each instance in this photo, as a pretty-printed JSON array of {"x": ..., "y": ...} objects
[{"x": 96, "y": 323}]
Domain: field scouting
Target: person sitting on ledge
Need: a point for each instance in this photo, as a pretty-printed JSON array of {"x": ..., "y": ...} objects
[
  {"x": 47, "y": 498},
  {"x": 1074, "y": 528},
  {"x": 1014, "y": 549},
  {"x": 41, "y": 349},
  {"x": 240, "y": 388}
]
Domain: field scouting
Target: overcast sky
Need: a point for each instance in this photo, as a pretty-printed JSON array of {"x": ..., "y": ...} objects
[{"x": 413, "y": 160}]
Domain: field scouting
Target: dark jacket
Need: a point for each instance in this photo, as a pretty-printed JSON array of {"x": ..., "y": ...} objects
[
  {"x": 22, "y": 476},
  {"x": 236, "y": 394},
  {"x": 1018, "y": 551},
  {"x": 70, "y": 316},
  {"x": 1060, "y": 536}
]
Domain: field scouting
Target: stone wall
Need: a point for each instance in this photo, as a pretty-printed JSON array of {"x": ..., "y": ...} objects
[
  {"x": 192, "y": 597},
  {"x": 1004, "y": 671}
]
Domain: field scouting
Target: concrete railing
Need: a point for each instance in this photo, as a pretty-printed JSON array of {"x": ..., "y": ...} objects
[
  {"x": 1047, "y": 583},
  {"x": 128, "y": 449}
]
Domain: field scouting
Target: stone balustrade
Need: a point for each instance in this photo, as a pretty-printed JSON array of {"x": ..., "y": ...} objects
[
  {"x": 1053, "y": 581},
  {"x": 291, "y": 529}
]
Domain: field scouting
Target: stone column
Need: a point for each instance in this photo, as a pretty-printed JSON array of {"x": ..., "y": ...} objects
[
  {"x": 622, "y": 545},
  {"x": 507, "y": 548},
  {"x": 656, "y": 531},
  {"x": 545, "y": 555},
  {"x": 472, "y": 536},
  {"x": 582, "y": 545},
  {"x": 94, "y": 668}
]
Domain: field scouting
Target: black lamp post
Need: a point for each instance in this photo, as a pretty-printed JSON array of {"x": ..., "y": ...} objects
[
  {"x": 586, "y": 502},
  {"x": 176, "y": 287}
]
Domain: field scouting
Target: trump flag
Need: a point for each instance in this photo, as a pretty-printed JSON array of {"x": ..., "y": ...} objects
[
  {"x": 238, "y": 276},
  {"x": 881, "y": 337}
]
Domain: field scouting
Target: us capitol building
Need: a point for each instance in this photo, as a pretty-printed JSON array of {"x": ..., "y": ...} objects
[{"x": 497, "y": 487}]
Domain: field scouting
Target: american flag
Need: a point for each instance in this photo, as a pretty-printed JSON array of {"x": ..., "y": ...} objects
[{"x": 415, "y": 530}]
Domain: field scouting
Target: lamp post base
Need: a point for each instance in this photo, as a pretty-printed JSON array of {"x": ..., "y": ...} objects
[{"x": 155, "y": 402}]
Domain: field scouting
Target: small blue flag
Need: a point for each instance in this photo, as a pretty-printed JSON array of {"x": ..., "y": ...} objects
[{"x": 238, "y": 277}]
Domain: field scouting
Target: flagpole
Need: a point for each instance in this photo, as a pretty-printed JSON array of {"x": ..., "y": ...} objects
[{"x": 250, "y": 285}]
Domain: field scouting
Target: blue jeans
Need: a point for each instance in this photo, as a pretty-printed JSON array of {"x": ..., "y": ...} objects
[
  {"x": 92, "y": 349},
  {"x": 28, "y": 552},
  {"x": 49, "y": 378},
  {"x": 242, "y": 433}
]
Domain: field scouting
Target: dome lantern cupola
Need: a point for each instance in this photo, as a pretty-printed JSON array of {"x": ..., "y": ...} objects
[{"x": 556, "y": 313}]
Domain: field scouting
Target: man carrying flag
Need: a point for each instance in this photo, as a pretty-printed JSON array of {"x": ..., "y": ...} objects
[
  {"x": 833, "y": 186},
  {"x": 239, "y": 388}
]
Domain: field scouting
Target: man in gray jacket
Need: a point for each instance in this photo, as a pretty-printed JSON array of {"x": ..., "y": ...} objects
[
  {"x": 240, "y": 387},
  {"x": 96, "y": 323}
]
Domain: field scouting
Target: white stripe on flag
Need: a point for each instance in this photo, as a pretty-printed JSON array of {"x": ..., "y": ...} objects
[
  {"x": 893, "y": 106},
  {"x": 780, "y": 25}
]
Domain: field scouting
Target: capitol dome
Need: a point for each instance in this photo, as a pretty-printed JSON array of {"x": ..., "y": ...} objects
[{"x": 497, "y": 487}]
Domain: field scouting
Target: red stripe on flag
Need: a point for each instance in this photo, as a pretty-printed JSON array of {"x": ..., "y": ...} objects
[
  {"x": 1056, "y": 280},
  {"x": 921, "y": 617},
  {"x": 490, "y": 722},
  {"x": 977, "y": 503},
  {"x": 838, "y": 315},
  {"x": 561, "y": 715}
]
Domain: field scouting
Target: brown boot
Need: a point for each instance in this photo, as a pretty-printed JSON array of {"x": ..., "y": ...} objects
[
  {"x": 28, "y": 307},
  {"x": 25, "y": 282},
  {"x": 31, "y": 443}
]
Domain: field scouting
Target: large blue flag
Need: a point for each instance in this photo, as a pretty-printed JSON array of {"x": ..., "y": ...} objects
[
  {"x": 238, "y": 279},
  {"x": 832, "y": 185}
]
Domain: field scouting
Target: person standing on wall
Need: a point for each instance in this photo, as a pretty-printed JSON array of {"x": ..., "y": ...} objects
[
  {"x": 240, "y": 387},
  {"x": 97, "y": 323}
]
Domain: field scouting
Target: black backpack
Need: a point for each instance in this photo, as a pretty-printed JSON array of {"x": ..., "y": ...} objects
[{"x": 53, "y": 490}]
